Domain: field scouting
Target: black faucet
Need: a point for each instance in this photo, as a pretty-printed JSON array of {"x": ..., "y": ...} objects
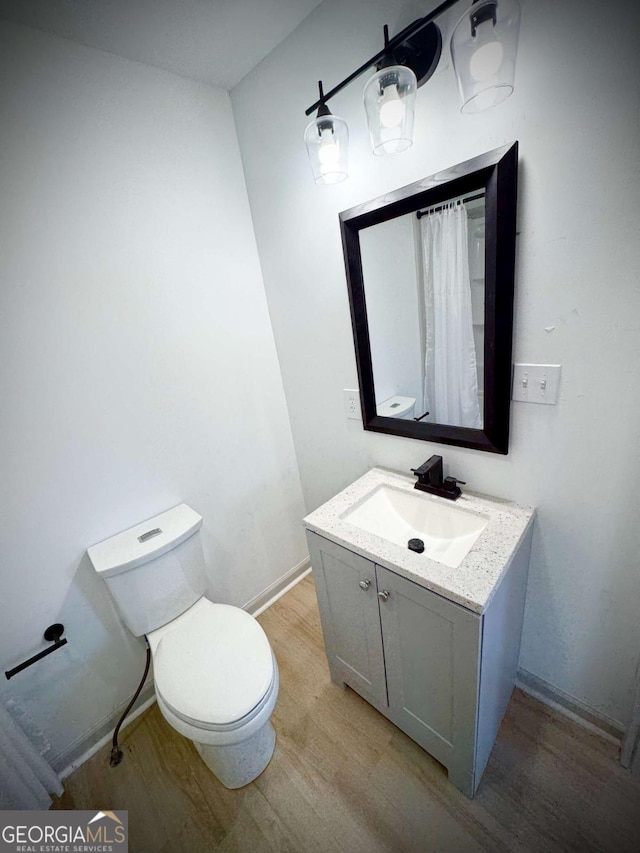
[{"x": 430, "y": 479}]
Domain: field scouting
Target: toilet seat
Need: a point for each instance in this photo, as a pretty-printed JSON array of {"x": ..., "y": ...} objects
[
  {"x": 224, "y": 737},
  {"x": 222, "y": 727},
  {"x": 213, "y": 666}
]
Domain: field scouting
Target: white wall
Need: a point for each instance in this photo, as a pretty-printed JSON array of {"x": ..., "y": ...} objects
[
  {"x": 575, "y": 113},
  {"x": 393, "y": 313},
  {"x": 137, "y": 362}
]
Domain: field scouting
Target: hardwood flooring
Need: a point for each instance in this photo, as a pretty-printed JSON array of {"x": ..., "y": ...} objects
[{"x": 345, "y": 780}]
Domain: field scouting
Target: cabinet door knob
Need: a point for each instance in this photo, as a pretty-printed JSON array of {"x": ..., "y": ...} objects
[
  {"x": 364, "y": 584},
  {"x": 384, "y": 595}
]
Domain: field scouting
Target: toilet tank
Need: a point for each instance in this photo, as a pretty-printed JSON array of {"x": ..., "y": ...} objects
[
  {"x": 155, "y": 570},
  {"x": 397, "y": 407}
]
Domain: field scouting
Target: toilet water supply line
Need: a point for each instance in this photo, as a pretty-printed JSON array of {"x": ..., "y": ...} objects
[{"x": 116, "y": 753}]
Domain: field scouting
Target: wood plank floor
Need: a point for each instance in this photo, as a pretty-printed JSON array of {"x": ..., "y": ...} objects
[{"x": 344, "y": 779}]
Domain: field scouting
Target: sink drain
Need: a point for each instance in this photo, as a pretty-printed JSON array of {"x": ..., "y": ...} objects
[{"x": 416, "y": 545}]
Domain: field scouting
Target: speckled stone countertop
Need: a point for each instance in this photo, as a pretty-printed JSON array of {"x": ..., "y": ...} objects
[{"x": 475, "y": 580}]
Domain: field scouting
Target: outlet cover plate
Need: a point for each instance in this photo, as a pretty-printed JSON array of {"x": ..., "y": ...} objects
[{"x": 351, "y": 399}]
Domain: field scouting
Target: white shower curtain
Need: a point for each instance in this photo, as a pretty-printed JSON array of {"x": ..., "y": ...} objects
[
  {"x": 26, "y": 779},
  {"x": 451, "y": 377}
]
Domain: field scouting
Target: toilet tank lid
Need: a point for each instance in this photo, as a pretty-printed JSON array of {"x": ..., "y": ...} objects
[
  {"x": 395, "y": 407},
  {"x": 145, "y": 541}
]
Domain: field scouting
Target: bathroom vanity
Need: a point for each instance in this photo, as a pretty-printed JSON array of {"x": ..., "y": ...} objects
[{"x": 430, "y": 639}]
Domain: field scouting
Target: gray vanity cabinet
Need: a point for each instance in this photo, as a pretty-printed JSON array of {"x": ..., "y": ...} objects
[
  {"x": 346, "y": 590},
  {"x": 442, "y": 673},
  {"x": 431, "y": 653}
]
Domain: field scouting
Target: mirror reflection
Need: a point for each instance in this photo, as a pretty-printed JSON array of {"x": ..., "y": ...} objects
[{"x": 424, "y": 285}]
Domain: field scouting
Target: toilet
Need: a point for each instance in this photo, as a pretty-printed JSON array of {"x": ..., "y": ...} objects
[
  {"x": 397, "y": 407},
  {"x": 216, "y": 677}
]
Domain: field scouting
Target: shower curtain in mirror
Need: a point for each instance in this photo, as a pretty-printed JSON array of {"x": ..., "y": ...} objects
[
  {"x": 26, "y": 779},
  {"x": 450, "y": 377}
]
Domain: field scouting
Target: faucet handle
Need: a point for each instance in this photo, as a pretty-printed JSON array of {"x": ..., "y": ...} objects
[
  {"x": 450, "y": 484},
  {"x": 455, "y": 481}
]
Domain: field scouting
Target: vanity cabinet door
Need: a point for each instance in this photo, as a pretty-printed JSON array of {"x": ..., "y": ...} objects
[
  {"x": 346, "y": 590},
  {"x": 431, "y": 649}
]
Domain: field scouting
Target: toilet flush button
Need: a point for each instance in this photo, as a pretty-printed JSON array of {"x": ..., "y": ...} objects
[{"x": 150, "y": 534}]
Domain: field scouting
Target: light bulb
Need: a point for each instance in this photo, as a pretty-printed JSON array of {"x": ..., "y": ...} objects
[
  {"x": 392, "y": 108},
  {"x": 389, "y": 97},
  {"x": 329, "y": 151},
  {"x": 486, "y": 60}
]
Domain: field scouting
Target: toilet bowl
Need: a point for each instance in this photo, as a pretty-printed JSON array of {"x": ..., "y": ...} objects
[
  {"x": 216, "y": 677},
  {"x": 230, "y": 727},
  {"x": 238, "y": 754}
]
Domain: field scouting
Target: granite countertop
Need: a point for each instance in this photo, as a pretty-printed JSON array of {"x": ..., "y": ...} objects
[{"x": 473, "y": 583}]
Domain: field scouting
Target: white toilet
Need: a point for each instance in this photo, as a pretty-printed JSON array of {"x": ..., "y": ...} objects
[
  {"x": 216, "y": 677},
  {"x": 397, "y": 407}
]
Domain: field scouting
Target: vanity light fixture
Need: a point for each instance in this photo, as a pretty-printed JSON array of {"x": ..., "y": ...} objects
[
  {"x": 327, "y": 141},
  {"x": 389, "y": 99},
  {"x": 483, "y": 49}
]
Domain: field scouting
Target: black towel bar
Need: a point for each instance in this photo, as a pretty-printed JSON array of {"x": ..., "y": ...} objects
[{"x": 52, "y": 634}]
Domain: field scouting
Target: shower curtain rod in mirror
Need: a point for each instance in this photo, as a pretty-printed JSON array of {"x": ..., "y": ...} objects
[{"x": 421, "y": 213}]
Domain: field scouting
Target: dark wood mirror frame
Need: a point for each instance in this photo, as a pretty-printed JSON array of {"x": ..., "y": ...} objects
[{"x": 496, "y": 174}]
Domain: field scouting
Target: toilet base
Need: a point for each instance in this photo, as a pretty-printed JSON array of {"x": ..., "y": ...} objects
[{"x": 240, "y": 763}]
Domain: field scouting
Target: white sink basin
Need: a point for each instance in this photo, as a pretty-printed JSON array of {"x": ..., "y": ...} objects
[{"x": 447, "y": 531}]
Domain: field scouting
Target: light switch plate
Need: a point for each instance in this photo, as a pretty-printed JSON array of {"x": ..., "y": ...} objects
[
  {"x": 351, "y": 403},
  {"x": 536, "y": 383}
]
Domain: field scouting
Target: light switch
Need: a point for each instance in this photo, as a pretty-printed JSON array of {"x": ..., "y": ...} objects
[{"x": 536, "y": 383}]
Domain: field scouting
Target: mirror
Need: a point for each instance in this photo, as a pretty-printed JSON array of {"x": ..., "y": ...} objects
[{"x": 430, "y": 272}]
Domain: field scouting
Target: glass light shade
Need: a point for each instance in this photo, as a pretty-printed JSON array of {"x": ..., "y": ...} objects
[
  {"x": 484, "y": 46},
  {"x": 389, "y": 101},
  {"x": 327, "y": 141}
]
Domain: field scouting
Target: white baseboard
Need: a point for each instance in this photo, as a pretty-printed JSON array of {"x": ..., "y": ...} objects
[
  {"x": 581, "y": 713},
  {"x": 278, "y": 588},
  {"x": 82, "y": 749}
]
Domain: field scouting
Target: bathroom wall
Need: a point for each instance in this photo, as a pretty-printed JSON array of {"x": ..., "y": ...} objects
[
  {"x": 389, "y": 269},
  {"x": 137, "y": 362},
  {"x": 575, "y": 112}
]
